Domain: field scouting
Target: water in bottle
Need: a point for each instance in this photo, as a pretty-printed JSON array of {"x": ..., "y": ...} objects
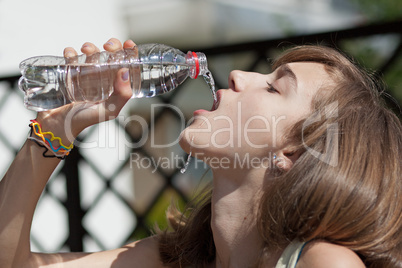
[{"x": 50, "y": 82}]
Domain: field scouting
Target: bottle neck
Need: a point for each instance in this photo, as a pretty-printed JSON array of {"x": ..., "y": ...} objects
[{"x": 198, "y": 63}]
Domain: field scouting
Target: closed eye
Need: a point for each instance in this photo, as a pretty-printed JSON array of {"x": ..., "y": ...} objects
[{"x": 271, "y": 88}]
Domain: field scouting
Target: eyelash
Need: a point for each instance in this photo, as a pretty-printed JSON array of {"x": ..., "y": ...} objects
[{"x": 271, "y": 88}]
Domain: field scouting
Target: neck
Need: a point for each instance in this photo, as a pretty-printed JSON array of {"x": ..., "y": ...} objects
[{"x": 235, "y": 203}]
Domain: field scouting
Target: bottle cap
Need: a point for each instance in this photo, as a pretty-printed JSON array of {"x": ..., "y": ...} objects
[{"x": 198, "y": 63}]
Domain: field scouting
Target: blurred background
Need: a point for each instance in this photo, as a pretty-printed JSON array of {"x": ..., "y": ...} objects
[{"x": 110, "y": 191}]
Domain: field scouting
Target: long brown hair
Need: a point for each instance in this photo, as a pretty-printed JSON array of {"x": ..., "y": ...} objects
[{"x": 345, "y": 188}]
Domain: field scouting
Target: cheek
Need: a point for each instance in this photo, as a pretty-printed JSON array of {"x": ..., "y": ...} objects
[
  {"x": 256, "y": 132},
  {"x": 212, "y": 135},
  {"x": 223, "y": 135},
  {"x": 262, "y": 130}
]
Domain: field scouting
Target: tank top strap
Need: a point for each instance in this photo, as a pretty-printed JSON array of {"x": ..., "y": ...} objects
[{"x": 291, "y": 255}]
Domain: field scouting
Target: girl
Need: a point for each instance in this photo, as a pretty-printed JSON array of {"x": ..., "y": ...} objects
[{"x": 306, "y": 166}]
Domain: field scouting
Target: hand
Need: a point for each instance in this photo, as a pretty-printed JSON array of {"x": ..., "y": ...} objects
[{"x": 68, "y": 121}]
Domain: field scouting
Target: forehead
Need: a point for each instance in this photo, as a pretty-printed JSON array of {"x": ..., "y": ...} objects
[{"x": 311, "y": 76}]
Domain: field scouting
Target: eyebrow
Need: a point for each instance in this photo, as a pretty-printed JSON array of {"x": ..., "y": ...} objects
[{"x": 284, "y": 70}]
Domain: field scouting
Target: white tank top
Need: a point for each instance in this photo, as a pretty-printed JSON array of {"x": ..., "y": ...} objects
[{"x": 290, "y": 255}]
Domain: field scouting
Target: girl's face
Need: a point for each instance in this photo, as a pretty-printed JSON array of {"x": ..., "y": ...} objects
[{"x": 252, "y": 116}]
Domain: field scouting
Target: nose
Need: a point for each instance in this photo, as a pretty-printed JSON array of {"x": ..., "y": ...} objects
[{"x": 237, "y": 80}]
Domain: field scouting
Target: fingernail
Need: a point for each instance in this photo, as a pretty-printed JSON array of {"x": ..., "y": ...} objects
[
  {"x": 110, "y": 43},
  {"x": 69, "y": 54},
  {"x": 125, "y": 75}
]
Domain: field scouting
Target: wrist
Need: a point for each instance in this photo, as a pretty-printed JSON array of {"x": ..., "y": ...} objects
[
  {"x": 57, "y": 124},
  {"x": 53, "y": 145}
]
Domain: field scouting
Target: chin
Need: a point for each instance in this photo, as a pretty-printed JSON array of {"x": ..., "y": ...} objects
[
  {"x": 184, "y": 141},
  {"x": 187, "y": 142}
]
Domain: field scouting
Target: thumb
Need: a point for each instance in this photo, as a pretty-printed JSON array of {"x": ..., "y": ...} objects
[
  {"x": 122, "y": 90},
  {"x": 122, "y": 85}
]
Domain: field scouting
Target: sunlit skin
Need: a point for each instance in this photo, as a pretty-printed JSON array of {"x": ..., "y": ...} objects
[
  {"x": 252, "y": 102},
  {"x": 273, "y": 103},
  {"x": 255, "y": 113}
]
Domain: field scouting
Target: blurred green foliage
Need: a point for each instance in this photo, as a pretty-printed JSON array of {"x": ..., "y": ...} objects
[
  {"x": 157, "y": 215},
  {"x": 380, "y": 10},
  {"x": 393, "y": 79},
  {"x": 372, "y": 52}
]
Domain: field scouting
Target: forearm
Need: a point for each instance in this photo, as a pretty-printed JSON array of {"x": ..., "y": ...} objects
[
  {"x": 20, "y": 190},
  {"x": 27, "y": 176}
]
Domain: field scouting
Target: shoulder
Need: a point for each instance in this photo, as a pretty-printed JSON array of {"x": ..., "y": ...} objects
[
  {"x": 323, "y": 254},
  {"x": 143, "y": 251}
]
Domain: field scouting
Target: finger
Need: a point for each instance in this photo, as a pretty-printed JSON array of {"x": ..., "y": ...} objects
[
  {"x": 91, "y": 51},
  {"x": 89, "y": 48},
  {"x": 121, "y": 94},
  {"x": 70, "y": 55},
  {"x": 69, "y": 52},
  {"x": 113, "y": 45},
  {"x": 129, "y": 44}
]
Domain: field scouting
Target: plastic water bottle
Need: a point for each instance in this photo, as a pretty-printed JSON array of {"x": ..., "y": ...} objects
[{"x": 50, "y": 82}]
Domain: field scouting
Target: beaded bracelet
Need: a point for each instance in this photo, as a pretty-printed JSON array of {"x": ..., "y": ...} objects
[{"x": 45, "y": 139}]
